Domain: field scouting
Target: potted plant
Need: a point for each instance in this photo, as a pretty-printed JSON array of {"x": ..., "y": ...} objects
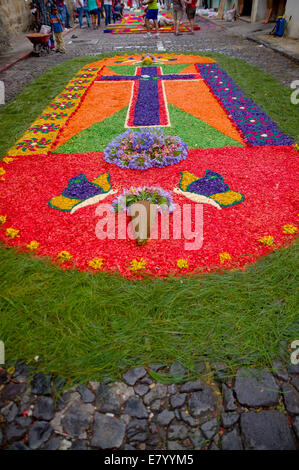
[{"x": 142, "y": 205}]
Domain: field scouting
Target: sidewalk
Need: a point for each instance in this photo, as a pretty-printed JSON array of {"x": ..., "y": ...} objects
[
  {"x": 20, "y": 49},
  {"x": 260, "y": 33}
]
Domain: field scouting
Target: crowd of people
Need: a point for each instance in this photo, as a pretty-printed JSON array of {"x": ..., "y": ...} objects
[{"x": 53, "y": 16}]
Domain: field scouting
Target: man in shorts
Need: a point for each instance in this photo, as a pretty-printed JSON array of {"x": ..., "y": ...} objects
[
  {"x": 151, "y": 14},
  {"x": 190, "y": 12},
  {"x": 178, "y": 11}
]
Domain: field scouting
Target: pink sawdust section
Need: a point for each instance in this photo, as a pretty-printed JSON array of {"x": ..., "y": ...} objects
[{"x": 266, "y": 176}]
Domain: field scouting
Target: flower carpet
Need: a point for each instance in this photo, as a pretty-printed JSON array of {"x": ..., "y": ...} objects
[
  {"x": 225, "y": 154},
  {"x": 134, "y": 24}
]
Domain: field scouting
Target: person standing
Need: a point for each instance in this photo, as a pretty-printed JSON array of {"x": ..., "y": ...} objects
[
  {"x": 44, "y": 10},
  {"x": 151, "y": 14},
  {"x": 272, "y": 9},
  {"x": 107, "y": 8},
  {"x": 93, "y": 12},
  {"x": 99, "y": 12},
  {"x": 57, "y": 24},
  {"x": 81, "y": 8},
  {"x": 190, "y": 12},
  {"x": 63, "y": 11},
  {"x": 168, "y": 4},
  {"x": 178, "y": 11}
]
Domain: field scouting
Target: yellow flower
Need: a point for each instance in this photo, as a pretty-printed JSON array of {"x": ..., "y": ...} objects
[
  {"x": 2, "y": 219},
  {"x": 267, "y": 240},
  {"x": 64, "y": 256},
  {"x": 224, "y": 257},
  {"x": 296, "y": 147},
  {"x": 182, "y": 263},
  {"x": 289, "y": 228},
  {"x": 137, "y": 265},
  {"x": 7, "y": 160},
  {"x": 147, "y": 61},
  {"x": 11, "y": 370},
  {"x": 33, "y": 245},
  {"x": 12, "y": 232},
  {"x": 96, "y": 263},
  {"x": 2, "y": 171}
]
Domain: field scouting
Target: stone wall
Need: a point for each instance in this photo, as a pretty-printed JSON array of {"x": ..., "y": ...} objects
[
  {"x": 16, "y": 15},
  {"x": 15, "y": 18}
]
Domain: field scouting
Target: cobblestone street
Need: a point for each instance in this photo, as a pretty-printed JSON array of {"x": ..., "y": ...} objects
[
  {"x": 256, "y": 410},
  {"x": 212, "y": 38}
]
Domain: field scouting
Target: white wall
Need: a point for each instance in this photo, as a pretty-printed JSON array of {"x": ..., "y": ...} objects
[
  {"x": 259, "y": 10},
  {"x": 216, "y": 3},
  {"x": 292, "y": 9}
]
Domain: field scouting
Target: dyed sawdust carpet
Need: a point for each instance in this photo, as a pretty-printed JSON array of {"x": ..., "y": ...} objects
[
  {"x": 240, "y": 169},
  {"x": 134, "y": 24}
]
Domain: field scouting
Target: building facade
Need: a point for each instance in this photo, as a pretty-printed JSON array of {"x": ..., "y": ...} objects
[{"x": 256, "y": 11}]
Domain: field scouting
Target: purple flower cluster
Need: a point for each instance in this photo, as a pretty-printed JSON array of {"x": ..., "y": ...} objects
[
  {"x": 144, "y": 149},
  {"x": 255, "y": 125},
  {"x": 155, "y": 195},
  {"x": 80, "y": 188}
]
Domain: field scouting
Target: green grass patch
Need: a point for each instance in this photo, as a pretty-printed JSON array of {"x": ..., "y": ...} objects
[
  {"x": 96, "y": 137},
  {"x": 193, "y": 131},
  {"x": 131, "y": 69},
  {"x": 86, "y": 326}
]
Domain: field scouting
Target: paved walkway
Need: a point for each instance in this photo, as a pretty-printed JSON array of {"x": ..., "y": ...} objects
[
  {"x": 216, "y": 411},
  {"x": 255, "y": 410}
]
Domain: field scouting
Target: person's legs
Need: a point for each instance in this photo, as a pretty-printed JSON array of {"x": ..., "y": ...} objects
[
  {"x": 109, "y": 13},
  {"x": 175, "y": 20},
  {"x": 67, "y": 18},
  {"x": 99, "y": 17},
  {"x": 157, "y": 27},
  {"x": 177, "y": 16},
  {"x": 60, "y": 42},
  {"x": 190, "y": 15},
  {"x": 87, "y": 16},
  {"x": 52, "y": 42},
  {"x": 61, "y": 11},
  {"x": 147, "y": 25},
  {"x": 80, "y": 12},
  {"x": 107, "y": 9},
  {"x": 94, "y": 19},
  {"x": 270, "y": 4}
]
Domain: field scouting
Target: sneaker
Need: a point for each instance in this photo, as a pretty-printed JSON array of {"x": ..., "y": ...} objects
[
  {"x": 157, "y": 35},
  {"x": 147, "y": 35}
]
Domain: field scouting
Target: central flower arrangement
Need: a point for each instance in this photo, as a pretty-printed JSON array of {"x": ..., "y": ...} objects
[
  {"x": 151, "y": 200},
  {"x": 147, "y": 59},
  {"x": 152, "y": 194},
  {"x": 144, "y": 149}
]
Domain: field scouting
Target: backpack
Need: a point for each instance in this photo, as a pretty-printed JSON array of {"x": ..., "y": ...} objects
[{"x": 280, "y": 26}]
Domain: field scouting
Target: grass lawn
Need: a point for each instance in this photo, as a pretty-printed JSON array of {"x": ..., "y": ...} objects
[{"x": 86, "y": 326}]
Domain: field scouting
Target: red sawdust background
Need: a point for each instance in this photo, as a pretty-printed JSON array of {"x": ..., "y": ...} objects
[{"x": 265, "y": 175}]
